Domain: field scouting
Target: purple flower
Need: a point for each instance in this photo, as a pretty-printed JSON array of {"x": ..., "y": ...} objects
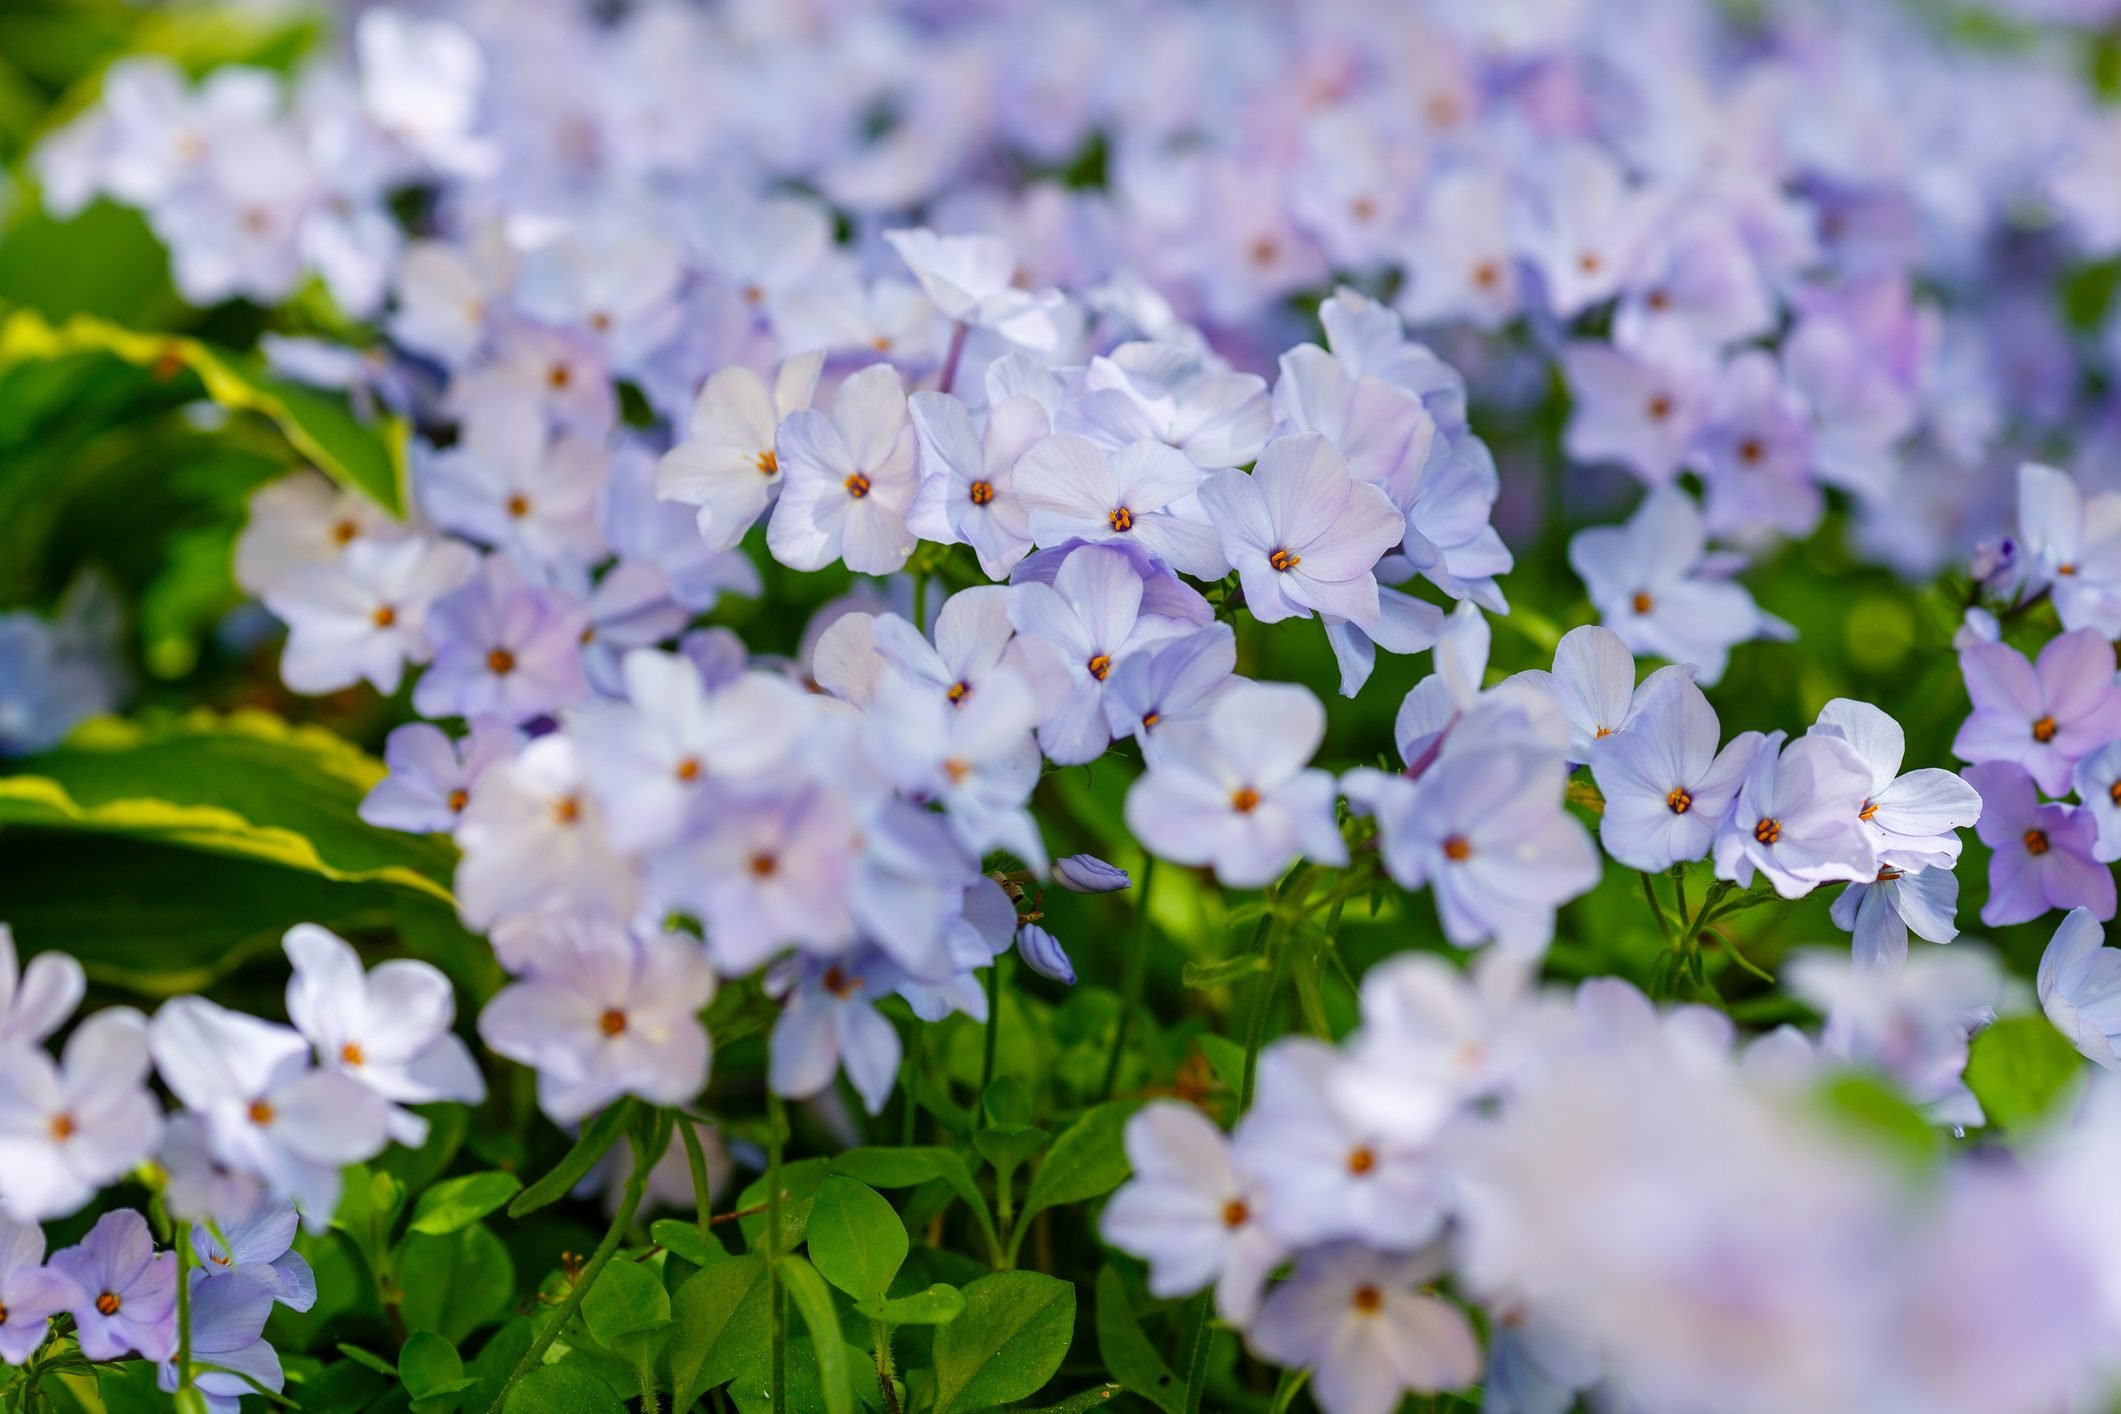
[
  {"x": 504, "y": 648},
  {"x": 363, "y": 616},
  {"x": 1449, "y": 540},
  {"x": 1087, "y": 874},
  {"x": 1485, "y": 828},
  {"x": 727, "y": 464},
  {"x": 1163, "y": 592},
  {"x": 2097, "y": 782},
  {"x": 1190, "y": 1212},
  {"x": 68, "y": 1130},
  {"x": 828, "y": 1021},
  {"x": 1698, "y": 281},
  {"x": 968, "y": 492},
  {"x": 973, "y": 639},
  {"x": 1593, "y": 686},
  {"x": 1591, "y": 227},
  {"x": 228, "y": 1331},
  {"x": 2072, "y": 545},
  {"x": 1914, "y": 819},
  {"x": 1171, "y": 683},
  {"x": 1911, "y": 1023},
  {"x": 977, "y": 757},
  {"x": 534, "y": 835},
  {"x": 388, "y": 1029},
  {"x": 30, "y": 1292},
  {"x": 766, "y": 871},
  {"x": 267, "y": 1111},
  {"x": 1303, "y": 534},
  {"x": 1043, "y": 954},
  {"x": 1366, "y": 1327},
  {"x": 126, "y": 1291},
  {"x": 1638, "y": 407},
  {"x": 1236, "y": 793},
  {"x": 505, "y": 486},
  {"x": 1655, "y": 586},
  {"x": 1880, "y": 914},
  {"x": 1755, "y": 453},
  {"x": 1797, "y": 817},
  {"x": 1327, "y": 1175},
  {"x": 1174, "y": 397},
  {"x": 1383, "y": 430},
  {"x": 2044, "y": 854},
  {"x": 602, "y": 1012},
  {"x": 849, "y": 479},
  {"x": 1666, "y": 786},
  {"x": 431, "y": 778},
  {"x": 1143, "y": 493},
  {"x": 260, "y": 1248},
  {"x": 36, "y": 1000},
  {"x": 2043, "y": 716},
  {"x": 654, "y": 757},
  {"x": 1091, "y": 614},
  {"x": 2079, "y": 985}
]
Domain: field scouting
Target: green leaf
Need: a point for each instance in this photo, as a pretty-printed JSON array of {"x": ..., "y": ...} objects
[
  {"x": 1126, "y": 1351},
  {"x": 906, "y": 1168},
  {"x": 721, "y": 1316},
  {"x": 1009, "y": 1146},
  {"x": 627, "y": 1299},
  {"x": 562, "y": 1389},
  {"x": 457, "y": 1203},
  {"x": 807, "y": 1290},
  {"x": 1088, "y": 1161},
  {"x": 1205, "y": 975},
  {"x": 317, "y": 425},
  {"x": 597, "y": 1138},
  {"x": 182, "y": 921},
  {"x": 247, "y": 785},
  {"x": 682, "y": 1240},
  {"x": 856, "y": 1239},
  {"x": 429, "y": 1365},
  {"x": 362, "y": 1357},
  {"x": 1013, "y": 1336},
  {"x": 939, "y": 1305},
  {"x": 1006, "y": 1102},
  {"x": 799, "y": 1184},
  {"x": 2019, "y": 1068},
  {"x": 456, "y": 1283}
]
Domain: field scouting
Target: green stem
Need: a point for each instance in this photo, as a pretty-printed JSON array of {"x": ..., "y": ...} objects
[
  {"x": 882, "y": 1334},
  {"x": 777, "y": 1316},
  {"x": 629, "y": 1201},
  {"x": 182, "y": 1237},
  {"x": 920, "y": 598},
  {"x": 650, "y": 1403},
  {"x": 1262, "y": 1006},
  {"x": 696, "y": 1160},
  {"x": 1664, "y": 924},
  {"x": 994, "y": 1025},
  {"x": 1133, "y": 977}
]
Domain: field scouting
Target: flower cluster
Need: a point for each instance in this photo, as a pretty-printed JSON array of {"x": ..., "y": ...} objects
[{"x": 1574, "y": 1166}]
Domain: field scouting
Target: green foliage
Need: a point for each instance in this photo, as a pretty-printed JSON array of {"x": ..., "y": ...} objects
[
  {"x": 454, "y": 1284},
  {"x": 460, "y": 1202},
  {"x": 809, "y": 1294},
  {"x": 430, "y": 1368},
  {"x": 1015, "y": 1331},
  {"x": 1126, "y": 1350},
  {"x": 562, "y": 1389},
  {"x": 856, "y": 1239},
  {"x": 597, "y": 1138},
  {"x": 2019, "y": 1069}
]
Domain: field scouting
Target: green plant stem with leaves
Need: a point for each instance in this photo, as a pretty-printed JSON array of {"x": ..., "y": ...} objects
[
  {"x": 629, "y": 1202},
  {"x": 777, "y": 1315}
]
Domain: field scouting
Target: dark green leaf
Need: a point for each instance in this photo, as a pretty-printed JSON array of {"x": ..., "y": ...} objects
[
  {"x": 721, "y": 1318},
  {"x": 1009, "y": 1146},
  {"x": 597, "y": 1138},
  {"x": 1088, "y": 1161},
  {"x": 810, "y": 1295},
  {"x": 683, "y": 1240},
  {"x": 1006, "y": 1102},
  {"x": 455, "y": 1283},
  {"x": 628, "y": 1298},
  {"x": 905, "y": 1168},
  {"x": 856, "y": 1239},
  {"x": 457, "y": 1203},
  {"x": 429, "y": 1366},
  {"x": 562, "y": 1389},
  {"x": 939, "y": 1305},
  {"x": 1012, "y": 1337},
  {"x": 1126, "y": 1351}
]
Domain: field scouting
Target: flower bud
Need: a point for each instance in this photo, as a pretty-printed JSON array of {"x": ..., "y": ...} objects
[
  {"x": 1087, "y": 874},
  {"x": 1042, "y": 953}
]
